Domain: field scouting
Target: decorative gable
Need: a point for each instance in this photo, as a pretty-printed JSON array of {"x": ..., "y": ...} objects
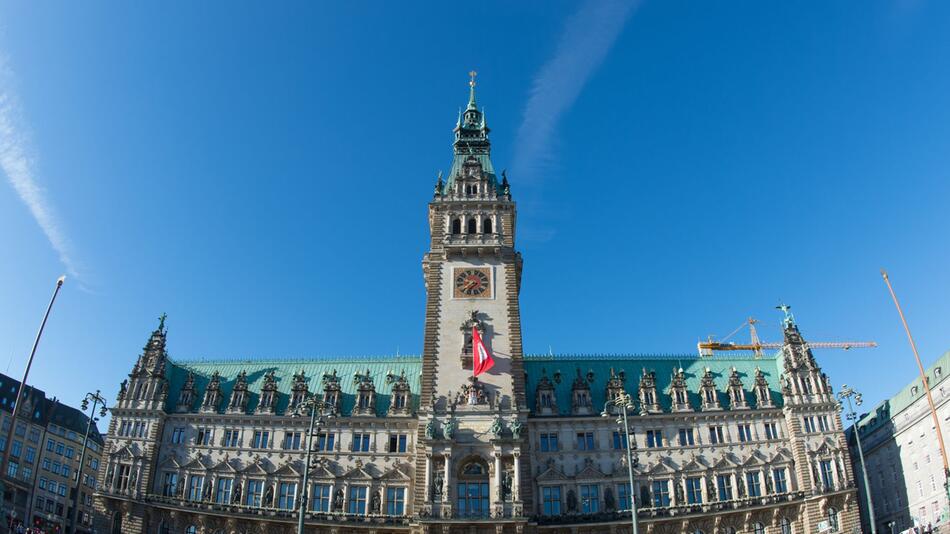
[
  {"x": 268, "y": 400},
  {"x": 545, "y": 398}
]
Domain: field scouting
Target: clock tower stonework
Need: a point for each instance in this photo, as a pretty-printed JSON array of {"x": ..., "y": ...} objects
[{"x": 473, "y": 279}]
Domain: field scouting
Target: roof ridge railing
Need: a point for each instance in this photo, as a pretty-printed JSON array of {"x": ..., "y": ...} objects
[
  {"x": 291, "y": 359},
  {"x": 644, "y": 356}
]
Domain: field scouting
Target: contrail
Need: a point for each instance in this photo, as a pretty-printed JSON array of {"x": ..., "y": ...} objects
[
  {"x": 17, "y": 164},
  {"x": 587, "y": 37}
]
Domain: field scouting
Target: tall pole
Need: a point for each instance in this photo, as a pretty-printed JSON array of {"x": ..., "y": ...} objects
[
  {"x": 847, "y": 393},
  {"x": 315, "y": 406},
  {"x": 96, "y": 399},
  {"x": 923, "y": 378},
  {"x": 19, "y": 393},
  {"x": 625, "y": 402}
]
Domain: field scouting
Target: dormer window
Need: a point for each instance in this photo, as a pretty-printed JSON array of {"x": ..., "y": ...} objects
[
  {"x": 268, "y": 399},
  {"x": 298, "y": 391},
  {"x": 545, "y": 400},
  {"x": 399, "y": 401},
  {"x": 678, "y": 391},
  {"x": 331, "y": 391},
  {"x": 580, "y": 394},
  {"x": 648, "y": 403},
  {"x": 363, "y": 401},
  {"x": 736, "y": 394},
  {"x": 763, "y": 397},
  {"x": 365, "y": 394}
]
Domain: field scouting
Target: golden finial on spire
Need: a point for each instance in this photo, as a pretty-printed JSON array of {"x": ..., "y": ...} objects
[{"x": 472, "y": 82}]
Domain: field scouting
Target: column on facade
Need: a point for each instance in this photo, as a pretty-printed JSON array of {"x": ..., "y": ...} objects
[
  {"x": 498, "y": 470},
  {"x": 446, "y": 496},
  {"x": 332, "y": 494},
  {"x": 516, "y": 480},
  {"x": 428, "y": 479}
]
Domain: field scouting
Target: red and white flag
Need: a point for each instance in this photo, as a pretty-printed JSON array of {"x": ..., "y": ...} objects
[{"x": 483, "y": 360}]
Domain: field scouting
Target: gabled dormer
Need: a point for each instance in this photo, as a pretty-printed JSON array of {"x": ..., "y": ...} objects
[
  {"x": 298, "y": 391},
  {"x": 649, "y": 403},
  {"x": 212, "y": 398},
  {"x": 268, "y": 399},
  {"x": 615, "y": 388},
  {"x": 400, "y": 400},
  {"x": 545, "y": 398},
  {"x": 580, "y": 395},
  {"x": 737, "y": 400},
  {"x": 679, "y": 395},
  {"x": 365, "y": 394},
  {"x": 332, "y": 396},
  {"x": 186, "y": 397},
  {"x": 763, "y": 397},
  {"x": 708, "y": 394},
  {"x": 238, "y": 402}
]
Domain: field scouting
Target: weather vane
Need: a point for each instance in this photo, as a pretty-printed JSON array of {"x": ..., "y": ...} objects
[{"x": 472, "y": 82}]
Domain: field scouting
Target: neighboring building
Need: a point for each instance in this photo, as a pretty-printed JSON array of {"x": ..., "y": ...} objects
[
  {"x": 726, "y": 444},
  {"x": 905, "y": 468},
  {"x": 43, "y": 461}
]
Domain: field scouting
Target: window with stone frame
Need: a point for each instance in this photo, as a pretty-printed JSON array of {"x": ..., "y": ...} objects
[
  {"x": 268, "y": 396},
  {"x": 708, "y": 392},
  {"x": 365, "y": 394},
  {"x": 737, "y": 398},
  {"x": 648, "y": 398},
  {"x": 400, "y": 394},
  {"x": 545, "y": 399},
  {"x": 332, "y": 396},
  {"x": 298, "y": 390},
  {"x": 580, "y": 395},
  {"x": 679, "y": 398},
  {"x": 763, "y": 397}
]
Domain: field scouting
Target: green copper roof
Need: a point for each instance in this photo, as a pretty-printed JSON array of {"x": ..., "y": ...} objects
[
  {"x": 888, "y": 409},
  {"x": 284, "y": 371},
  {"x": 664, "y": 366}
]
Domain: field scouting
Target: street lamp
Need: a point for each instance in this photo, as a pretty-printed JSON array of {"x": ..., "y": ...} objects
[
  {"x": 848, "y": 393},
  {"x": 313, "y": 407},
  {"x": 97, "y": 400},
  {"x": 625, "y": 402}
]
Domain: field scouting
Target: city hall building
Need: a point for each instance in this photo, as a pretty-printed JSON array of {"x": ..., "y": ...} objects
[{"x": 723, "y": 444}]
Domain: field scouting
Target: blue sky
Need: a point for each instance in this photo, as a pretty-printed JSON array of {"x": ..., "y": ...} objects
[{"x": 261, "y": 174}]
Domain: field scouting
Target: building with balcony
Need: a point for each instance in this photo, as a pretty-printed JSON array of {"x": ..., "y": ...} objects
[
  {"x": 904, "y": 461},
  {"x": 418, "y": 444},
  {"x": 43, "y": 461}
]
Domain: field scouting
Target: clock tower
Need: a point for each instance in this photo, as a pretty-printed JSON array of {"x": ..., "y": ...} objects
[
  {"x": 472, "y": 275},
  {"x": 471, "y": 429}
]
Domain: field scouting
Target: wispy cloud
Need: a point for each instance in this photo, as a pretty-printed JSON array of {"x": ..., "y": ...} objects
[
  {"x": 17, "y": 163},
  {"x": 587, "y": 37}
]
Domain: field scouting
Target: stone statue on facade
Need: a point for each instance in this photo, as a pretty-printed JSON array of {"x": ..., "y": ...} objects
[
  {"x": 506, "y": 483},
  {"x": 609, "y": 503},
  {"x": 338, "y": 501},
  {"x": 449, "y": 430},
  {"x": 375, "y": 503},
  {"x": 269, "y": 496},
  {"x": 206, "y": 495},
  {"x": 437, "y": 486},
  {"x": 678, "y": 489},
  {"x": 516, "y": 429},
  {"x": 571, "y": 502},
  {"x": 430, "y": 429},
  {"x": 237, "y": 495},
  {"x": 180, "y": 488},
  {"x": 496, "y": 427},
  {"x": 122, "y": 387}
]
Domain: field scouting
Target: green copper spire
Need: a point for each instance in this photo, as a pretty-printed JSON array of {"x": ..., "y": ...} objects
[{"x": 471, "y": 95}]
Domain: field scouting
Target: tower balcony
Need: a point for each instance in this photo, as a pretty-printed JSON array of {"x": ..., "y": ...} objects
[{"x": 472, "y": 240}]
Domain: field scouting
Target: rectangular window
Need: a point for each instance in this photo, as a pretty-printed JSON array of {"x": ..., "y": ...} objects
[
  {"x": 357, "y": 503},
  {"x": 20, "y": 430},
  {"x": 809, "y": 422},
  {"x": 661, "y": 493},
  {"x": 15, "y": 449},
  {"x": 56, "y": 467},
  {"x": 753, "y": 485},
  {"x": 50, "y": 444},
  {"x": 170, "y": 485},
  {"x": 34, "y": 435},
  {"x": 771, "y": 431},
  {"x": 654, "y": 438},
  {"x": 745, "y": 433},
  {"x": 65, "y": 470},
  {"x": 724, "y": 485},
  {"x": 552, "y": 500},
  {"x": 715, "y": 435},
  {"x": 397, "y": 442},
  {"x": 292, "y": 441},
  {"x": 827, "y": 476},
  {"x": 549, "y": 444},
  {"x": 360, "y": 443},
  {"x": 590, "y": 500},
  {"x": 321, "y": 498},
  {"x": 60, "y": 448},
  {"x": 178, "y": 435},
  {"x": 231, "y": 436},
  {"x": 47, "y": 464},
  {"x": 325, "y": 441},
  {"x": 623, "y": 496},
  {"x": 255, "y": 488},
  {"x": 70, "y": 452},
  {"x": 395, "y": 501},
  {"x": 12, "y": 468},
  {"x": 781, "y": 485},
  {"x": 222, "y": 493},
  {"x": 823, "y": 423},
  {"x": 42, "y": 483},
  {"x": 686, "y": 437},
  {"x": 286, "y": 495},
  {"x": 205, "y": 436},
  {"x": 585, "y": 441},
  {"x": 620, "y": 441},
  {"x": 694, "y": 490},
  {"x": 195, "y": 486},
  {"x": 260, "y": 439},
  {"x": 30, "y": 454}
]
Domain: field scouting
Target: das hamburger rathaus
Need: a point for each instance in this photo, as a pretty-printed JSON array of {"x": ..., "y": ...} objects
[{"x": 721, "y": 444}]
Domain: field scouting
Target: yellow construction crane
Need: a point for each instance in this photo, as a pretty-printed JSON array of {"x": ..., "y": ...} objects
[{"x": 706, "y": 348}]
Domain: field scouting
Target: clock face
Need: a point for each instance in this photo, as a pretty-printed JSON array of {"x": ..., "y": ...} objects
[{"x": 474, "y": 282}]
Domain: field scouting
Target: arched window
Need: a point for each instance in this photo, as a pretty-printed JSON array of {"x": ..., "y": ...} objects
[
  {"x": 758, "y": 528},
  {"x": 472, "y": 226},
  {"x": 456, "y": 226},
  {"x": 486, "y": 226},
  {"x": 786, "y": 526},
  {"x": 833, "y": 519},
  {"x": 117, "y": 523},
  {"x": 473, "y": 491}
]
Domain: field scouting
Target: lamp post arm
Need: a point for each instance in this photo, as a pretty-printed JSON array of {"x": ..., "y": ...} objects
[{"x": 82, "y": 461}]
